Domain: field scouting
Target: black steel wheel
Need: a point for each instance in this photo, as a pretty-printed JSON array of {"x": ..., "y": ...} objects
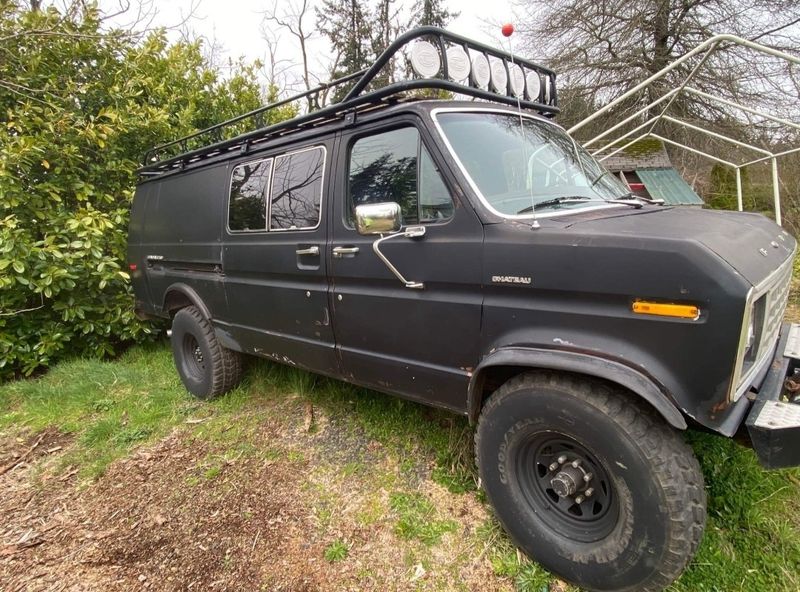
[
  {"x": 192, "y": 358},
  {"x": 558, "y": 473},
  {"x": 590, "y": 482},
  {"x": 206, "y": 368}
]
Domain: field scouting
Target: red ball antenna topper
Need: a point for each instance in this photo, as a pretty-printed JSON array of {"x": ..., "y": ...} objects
[{"x": 507, "y": 30}]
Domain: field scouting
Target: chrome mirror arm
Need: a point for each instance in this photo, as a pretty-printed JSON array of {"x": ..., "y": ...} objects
[{"x": 410, "y": 232}]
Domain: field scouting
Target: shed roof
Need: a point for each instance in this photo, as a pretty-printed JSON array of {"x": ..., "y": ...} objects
[{"x": 667, "y": 184}]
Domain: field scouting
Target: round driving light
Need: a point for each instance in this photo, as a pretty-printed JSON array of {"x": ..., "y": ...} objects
[
  {"x": 425, "y": 59},
  {"x": 517, "y": 80},
  {"x": 499, "y": 76},
  {"x": 480, "y": 71},
  {"x": 457, "y": 63},
  {"x": 534, "y": 85}
]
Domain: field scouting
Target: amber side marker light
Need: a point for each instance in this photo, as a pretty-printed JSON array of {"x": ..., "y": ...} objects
[{"x": 681, "y": 311}]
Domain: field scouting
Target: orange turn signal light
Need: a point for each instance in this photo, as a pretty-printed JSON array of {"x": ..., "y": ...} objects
[{"x": 681, "y": 311}]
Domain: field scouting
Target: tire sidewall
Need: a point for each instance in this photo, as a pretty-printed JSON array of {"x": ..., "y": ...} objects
[
  {"x": 631, "y": 553},
  {"x": 184, "y": 323}
]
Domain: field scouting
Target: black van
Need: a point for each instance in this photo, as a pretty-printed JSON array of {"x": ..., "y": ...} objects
[{"x": 470, "y": 255}]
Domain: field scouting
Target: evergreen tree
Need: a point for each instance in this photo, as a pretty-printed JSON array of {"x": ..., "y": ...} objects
[
  {"x": 431, "y": 13},
  {"x": 385, "y": 29},
  {"x": 344, "y": 23}
]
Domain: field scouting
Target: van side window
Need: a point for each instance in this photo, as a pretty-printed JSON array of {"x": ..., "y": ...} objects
[
  {"x": 297, "y": 190},
  {"x": 395, "y": 166},
  {"x": 247, "y": 208}
]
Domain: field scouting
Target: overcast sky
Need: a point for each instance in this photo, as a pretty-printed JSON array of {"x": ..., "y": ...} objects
[{"x": 236, "y": 25}]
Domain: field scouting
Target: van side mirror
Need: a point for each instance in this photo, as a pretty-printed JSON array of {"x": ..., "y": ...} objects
[{"x": 378, "y": 218}]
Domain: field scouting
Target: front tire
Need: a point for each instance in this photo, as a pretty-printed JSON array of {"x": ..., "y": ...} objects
[
  {"x": 590, "y": 482},
  {"x": 207, "y": 369}
]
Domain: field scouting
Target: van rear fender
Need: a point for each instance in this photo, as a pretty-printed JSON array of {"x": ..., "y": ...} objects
[
  {"x": 180, "y": 295},
  {"x": 506, "y": 362}
]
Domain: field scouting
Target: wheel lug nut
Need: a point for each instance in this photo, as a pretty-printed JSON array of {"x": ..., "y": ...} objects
[
  {"x": 588, "y": 477},
  {"x": 579, "y": 499},
  {"x": 553, "y": 466},
  {"x": 562, "y": 459},
  {"x": 576, "y": 464},
  {"x": 589, "y": 492}
]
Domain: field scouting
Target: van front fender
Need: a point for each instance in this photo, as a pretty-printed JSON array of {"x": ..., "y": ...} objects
[{"x": 579, "y": 363}]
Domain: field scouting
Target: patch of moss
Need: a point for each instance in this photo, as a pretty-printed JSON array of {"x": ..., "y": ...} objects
[
  {"x": 639, "y": 149},
  {"x": 644, "y": 147}
]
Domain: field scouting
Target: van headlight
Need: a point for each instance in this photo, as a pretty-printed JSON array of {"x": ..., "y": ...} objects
[
  {"x": 755, "y": 327},
  {"x": 750, "y": 341}
]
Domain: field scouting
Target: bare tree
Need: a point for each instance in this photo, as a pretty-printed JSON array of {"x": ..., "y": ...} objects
[
  {"x": 277, "y": 71},
  {"x": 292, "y": 18},
  {"x": 602, "y": 48}
]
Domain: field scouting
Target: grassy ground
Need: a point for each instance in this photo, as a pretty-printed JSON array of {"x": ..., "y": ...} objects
[{"x": 381, "y": 492}]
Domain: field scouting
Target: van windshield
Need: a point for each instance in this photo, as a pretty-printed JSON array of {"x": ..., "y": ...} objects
[{"x": 520, "y": 165}]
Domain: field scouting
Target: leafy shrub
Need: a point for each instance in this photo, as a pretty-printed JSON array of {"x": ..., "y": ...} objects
[{"x": 80, "y": 105}]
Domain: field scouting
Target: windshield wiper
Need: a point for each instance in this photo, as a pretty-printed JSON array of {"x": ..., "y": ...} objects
[
  {"x": 628, "y": 200},
  {"x": 656, "y": 201},
  {"x": 554, "y": 202},
  {"x": 636, "y": 200}
]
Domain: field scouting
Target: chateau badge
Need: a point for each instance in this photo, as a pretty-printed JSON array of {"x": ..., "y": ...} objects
[{"x": 510, "y": 279}]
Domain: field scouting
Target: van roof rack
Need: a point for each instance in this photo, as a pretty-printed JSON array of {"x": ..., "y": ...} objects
[{"x": 441, "y": 60}]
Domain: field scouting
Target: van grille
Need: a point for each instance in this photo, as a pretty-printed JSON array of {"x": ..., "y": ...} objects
[{"x": 777, "y": 297}]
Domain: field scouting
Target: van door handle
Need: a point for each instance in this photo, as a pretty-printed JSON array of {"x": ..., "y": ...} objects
[
  {"x": 342, "y": 251},
  {"x": 309, "y": 251}
]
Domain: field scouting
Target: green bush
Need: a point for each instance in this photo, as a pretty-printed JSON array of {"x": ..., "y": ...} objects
[
  {"x": 80, "y": 104},
  {"x": 757, "y": 193}
]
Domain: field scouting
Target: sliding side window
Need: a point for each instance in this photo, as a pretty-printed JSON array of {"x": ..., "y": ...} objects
[
  {"x": 297, "y": 190},
  {"x": 247, "y": 208}
]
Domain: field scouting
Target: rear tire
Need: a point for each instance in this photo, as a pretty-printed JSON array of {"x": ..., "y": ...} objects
[
  {"x": 643, "y": 519},
  {"x": 206, "y": 368}
]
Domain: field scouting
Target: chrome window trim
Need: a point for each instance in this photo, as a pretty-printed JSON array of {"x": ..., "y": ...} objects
[
  {"x": 474, "y": 186},
  {"x": 321, "y": 189},
  {"x": 230, "y": 191},
  {"x": 740, "y": 383}
]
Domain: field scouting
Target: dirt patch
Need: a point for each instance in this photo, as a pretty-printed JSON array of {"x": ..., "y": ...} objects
[
  {"x": 23, "y": 450},
  {"x": 160, "y": 520},
  {"x": 214, "y": 531},
  {"x": 250, "y": 513}
]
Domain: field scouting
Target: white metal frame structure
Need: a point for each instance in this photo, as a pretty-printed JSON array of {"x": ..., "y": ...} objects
[{"x": 709, "y": 46}]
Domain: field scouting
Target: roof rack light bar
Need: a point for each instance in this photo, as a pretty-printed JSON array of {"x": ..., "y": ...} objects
[{"x": 452, "y": 63}]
